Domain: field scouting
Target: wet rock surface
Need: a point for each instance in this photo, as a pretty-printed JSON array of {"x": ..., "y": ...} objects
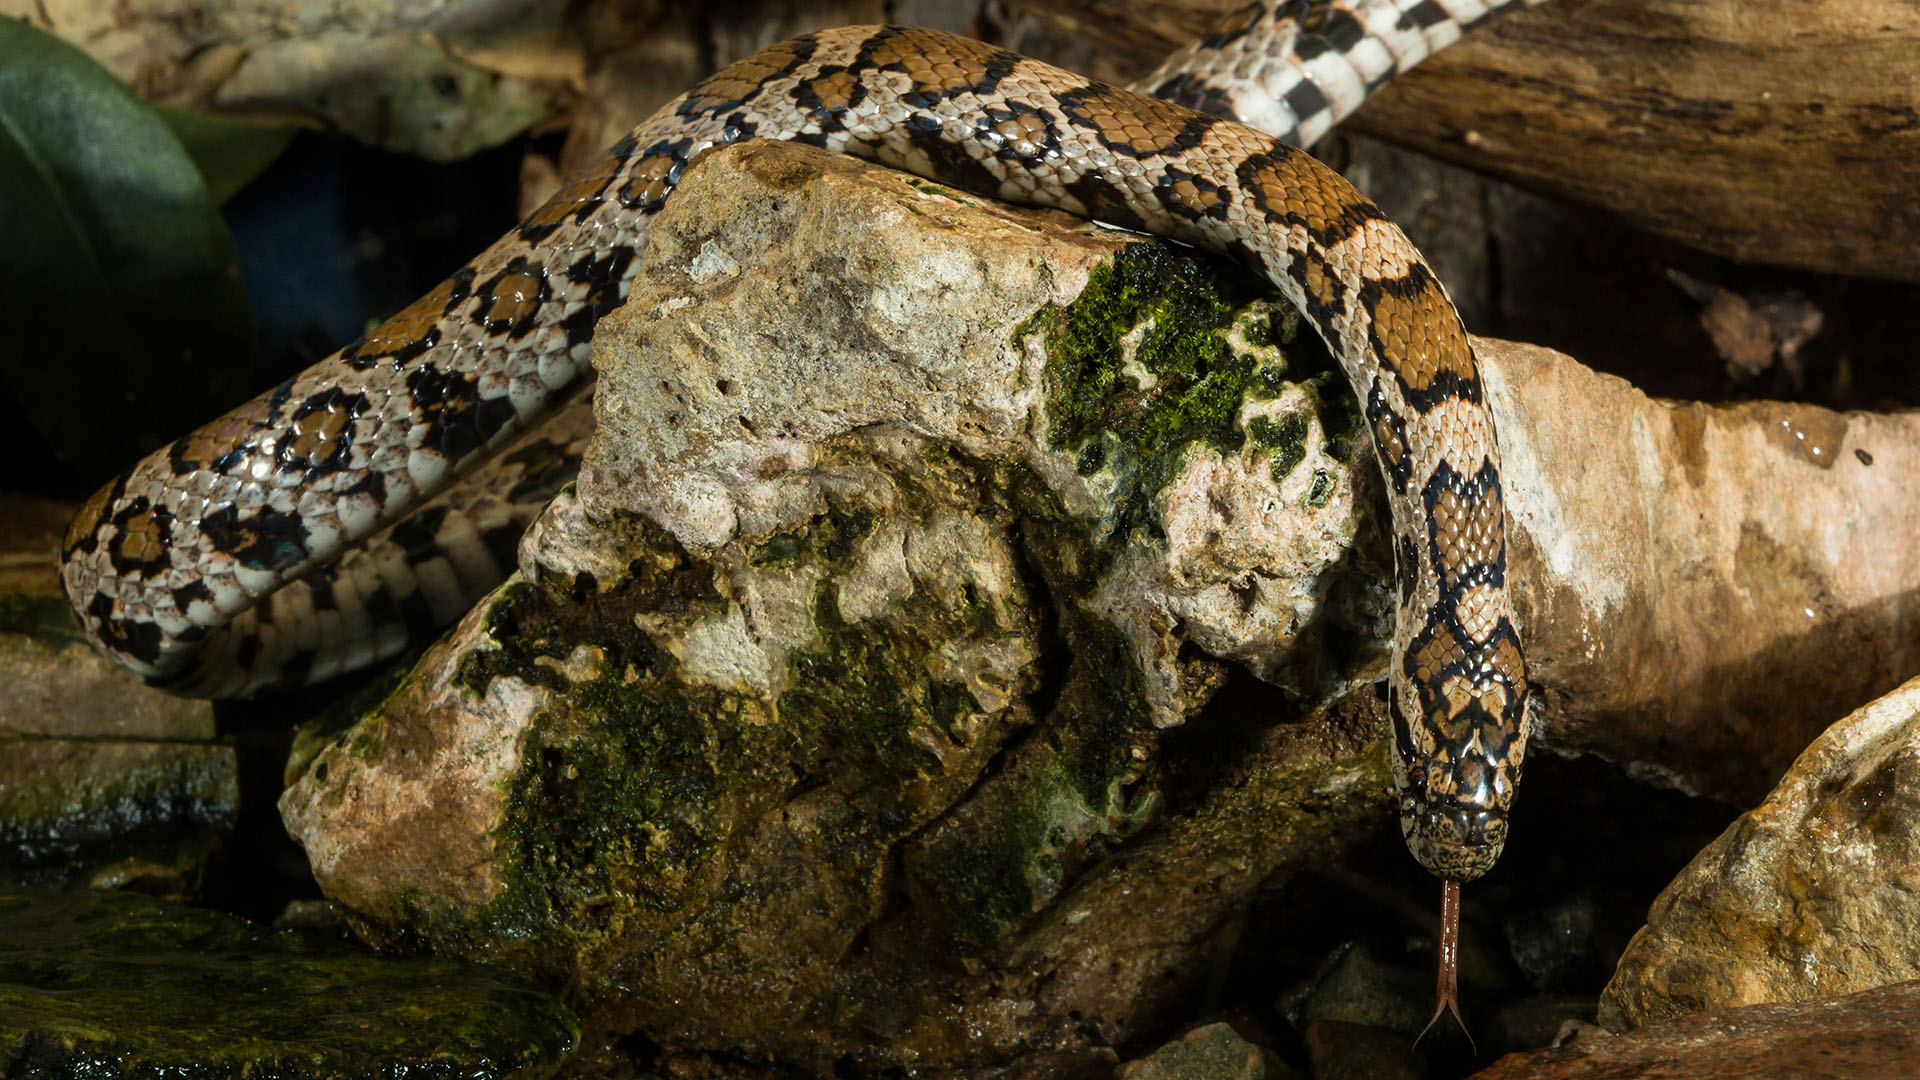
[
  {"x": 94, "y": 767},
  {"x": 116, "y": 985},
  {"x": 1812, "y": 894}
]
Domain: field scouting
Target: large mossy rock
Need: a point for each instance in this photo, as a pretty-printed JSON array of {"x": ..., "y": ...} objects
[
  {"x": 109, "y": 985},
  {"x": 881, "y": 619}
]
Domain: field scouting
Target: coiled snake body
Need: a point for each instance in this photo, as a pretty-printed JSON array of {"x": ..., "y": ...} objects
[{"x": 181, "y": 569}]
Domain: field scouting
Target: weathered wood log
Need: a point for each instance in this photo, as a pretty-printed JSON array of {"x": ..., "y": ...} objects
[{"x": 1771, "y": 131}]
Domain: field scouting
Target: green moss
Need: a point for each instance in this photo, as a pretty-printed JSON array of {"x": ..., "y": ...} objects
[
  {"x": 834, "y": 536},
  {"x": 366, "y": 745},
  {"x": 1340, "y": 419},
  {"x": 1108, "y": 704},
  {"x": 1171, "y": 316},
  {"x": 615, "y": 797},
  {"x": 615, "y": 803},
  {"x": 928, "y": 187},
  {"x": 1286, "y": 437},
  {"x": 615, "y": 810},
  {"x": 114, "y": 985},
  {"x": 862, "y": 693},
  {"x": 1275, "y": 329},
  {"x": 1269, "y": 381},
  {"x": 1199, "y": 379}
]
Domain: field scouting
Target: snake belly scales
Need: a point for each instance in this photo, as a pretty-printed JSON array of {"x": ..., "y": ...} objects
[{"x": 210, "y": 567}]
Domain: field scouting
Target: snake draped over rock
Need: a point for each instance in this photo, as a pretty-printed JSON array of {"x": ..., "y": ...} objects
[{"x": 205, "y": 568}]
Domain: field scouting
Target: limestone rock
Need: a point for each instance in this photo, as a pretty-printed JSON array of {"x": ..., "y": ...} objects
[
  {"x": 118, "y": 984},
  {"x": 94, "y": 767},
  {"x": 1813, "y": 894},
  {"x": 1869, "y": 1034},
  {"x": 823, "y": 699},
  {"x": 1704, "y": 588}
]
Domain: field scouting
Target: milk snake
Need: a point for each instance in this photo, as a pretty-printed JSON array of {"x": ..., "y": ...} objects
[{"x": 215, "y": 565}]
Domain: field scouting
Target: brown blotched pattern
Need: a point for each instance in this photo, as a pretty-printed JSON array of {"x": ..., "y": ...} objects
[{"x": 211, "y": 566}]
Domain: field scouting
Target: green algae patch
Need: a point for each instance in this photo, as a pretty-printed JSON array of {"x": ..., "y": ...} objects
[
  {"x": 645, "y": 840},
  {"x": 69, "y": 805},
  {"x": 1059, "y": 802},
  {"x": 95, "y": 768},
  {"x": 625, "y": 798},
  {"x": 928, "y": 187},
  {"x": 863, "y": 698},
  {"x": 113, "y": 985},
  {"x": 618, "y": 802},
  {"x": 834, "y": 536}
]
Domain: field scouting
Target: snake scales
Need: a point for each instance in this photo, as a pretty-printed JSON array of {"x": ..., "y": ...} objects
[{"x": 206, "y": 567}]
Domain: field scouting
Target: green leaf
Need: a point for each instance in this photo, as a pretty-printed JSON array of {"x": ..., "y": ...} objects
[
  {"x": 127, "y": 323},
  {"x": 228, "y": 153}
]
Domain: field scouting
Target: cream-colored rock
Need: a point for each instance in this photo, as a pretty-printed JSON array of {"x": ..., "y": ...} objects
[
  {"x": 884, "y": 575},
  {"x": 1815, "y": 893},
  {"x": 1703, "y": 588},
  {"x": 721, "y": 389},
  {"x": 1868, "y": 1034}
]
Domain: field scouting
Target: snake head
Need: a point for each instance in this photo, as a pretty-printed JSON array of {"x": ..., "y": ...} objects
[{"x": 1456, "y": 772}]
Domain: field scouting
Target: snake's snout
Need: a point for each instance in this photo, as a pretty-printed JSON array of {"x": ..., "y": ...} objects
[
  {"x": 1457, "y": 782},
  {"x": 1455, "y": 840}
]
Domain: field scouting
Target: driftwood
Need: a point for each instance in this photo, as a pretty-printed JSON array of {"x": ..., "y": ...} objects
[{"x": 1768, "y": 131}]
